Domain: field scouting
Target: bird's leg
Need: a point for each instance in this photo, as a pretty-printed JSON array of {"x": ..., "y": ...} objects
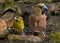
[
  {"x": 32, "y": 36},
  {"x": 43, "y": 34},
  {"x": 22, "y": 33},
  {"x": 35, "y": 24}
]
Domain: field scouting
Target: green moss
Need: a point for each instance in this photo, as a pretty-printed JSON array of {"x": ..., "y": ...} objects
[{"x": 56, "y": 37}]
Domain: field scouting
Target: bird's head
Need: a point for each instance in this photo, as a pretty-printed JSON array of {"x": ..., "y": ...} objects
[
  {"x": 36, "y": 11},
  {"x": 42, "y": 6},
  {"x": 18, "y": 19}
]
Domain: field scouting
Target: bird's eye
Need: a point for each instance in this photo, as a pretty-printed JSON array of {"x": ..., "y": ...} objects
[
  {"x": 40, "y": 7},
  {"x": 17, "y": 21},
  {"x": 20, "y": 18}
]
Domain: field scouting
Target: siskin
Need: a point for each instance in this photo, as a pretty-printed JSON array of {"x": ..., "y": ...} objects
[{"x": 18, "y": 24}]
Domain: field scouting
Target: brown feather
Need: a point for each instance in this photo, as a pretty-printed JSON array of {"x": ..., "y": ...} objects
[{"x": 37, "y": 22}]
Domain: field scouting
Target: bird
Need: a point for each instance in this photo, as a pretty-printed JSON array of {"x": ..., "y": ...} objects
[
  {"x": 37, "y": 21},
  {"x": 18, "y": 24}
]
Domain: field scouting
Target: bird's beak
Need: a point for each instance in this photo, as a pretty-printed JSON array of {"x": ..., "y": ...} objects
[
  {"x": 44, "y": 8},
  {"x": 15, "y": 18}
]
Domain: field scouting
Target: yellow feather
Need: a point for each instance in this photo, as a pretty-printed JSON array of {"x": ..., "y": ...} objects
[{"x": 19, "y": 24}]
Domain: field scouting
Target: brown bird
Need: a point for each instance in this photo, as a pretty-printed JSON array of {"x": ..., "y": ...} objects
[{"x": 37, "y": 21}]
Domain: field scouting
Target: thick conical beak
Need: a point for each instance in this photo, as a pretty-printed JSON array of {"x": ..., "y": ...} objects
[{"x": 44, "y": 8}]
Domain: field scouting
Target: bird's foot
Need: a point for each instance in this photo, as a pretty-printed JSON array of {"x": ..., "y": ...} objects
[
  {"x": 32, "y": 36},
  {"x": 23, "y": 35}
]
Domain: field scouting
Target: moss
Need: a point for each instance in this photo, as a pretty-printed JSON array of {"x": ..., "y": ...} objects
[{"x": 56, "y": 37}]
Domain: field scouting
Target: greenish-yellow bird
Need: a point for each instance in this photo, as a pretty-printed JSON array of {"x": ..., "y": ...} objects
[{"x": 18, "y": 24}]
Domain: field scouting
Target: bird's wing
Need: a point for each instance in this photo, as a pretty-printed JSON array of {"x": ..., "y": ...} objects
[{"x": 31, "y": 21}]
